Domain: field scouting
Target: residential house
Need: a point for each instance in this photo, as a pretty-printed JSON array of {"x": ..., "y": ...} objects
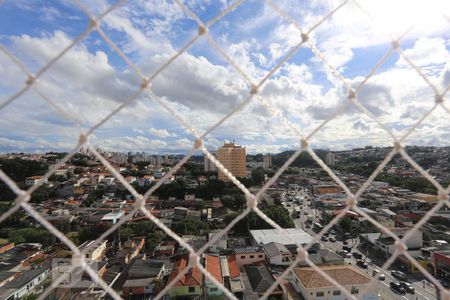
[
  {"x": 24, "y": 284},
  {"x": 32, "y": 180},
  {"x": 143, "y": 278},
  {"x": 277, "y": 254},
  {"x": 324, "y": 257},
  {"x": 212, "y": 265},
  {"x": 260, "y": 280},
  {"x": 94, "y": 251},
  {"x": 249, "y": 256},
  {"x": 189, "y": 285},
  {"x": 313, "y": 286}
]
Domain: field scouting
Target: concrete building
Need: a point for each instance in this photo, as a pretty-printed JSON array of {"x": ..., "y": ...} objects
[
  {"x": 249, "y": 256},
  {"x": 208, "y": 164},
  {"x": 267, "y": 161},
  {"x": 312, "y": 285},
  {"x": 330, "y": 159},
  {"x": 95, "y": 252},
  {"x": 233, "y": 158},
  {"x": 263, "y": 237}
]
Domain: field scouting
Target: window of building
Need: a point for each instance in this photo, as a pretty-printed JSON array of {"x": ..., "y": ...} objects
[
  {"x": 242, "y": 256},
  {"x": 336, "y": 293},
  {"x": 260, "y": 255},
  {"x": 191, "y": 289},
  {"x": 252, "y": 256},
  {"x": 354, "y": 291},
  {"x": 213, "y": 289},
  {"x": 320, "y": 294}
]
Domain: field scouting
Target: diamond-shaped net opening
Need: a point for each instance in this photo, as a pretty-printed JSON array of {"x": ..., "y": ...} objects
[{"x": 156, "y": 207}]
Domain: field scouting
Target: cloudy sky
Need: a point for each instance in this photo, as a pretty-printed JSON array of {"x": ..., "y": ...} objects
[{"x": 201, "y": 86}]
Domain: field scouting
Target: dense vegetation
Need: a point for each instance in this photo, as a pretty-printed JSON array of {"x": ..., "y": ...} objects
[{"x": 252, "y": 221}]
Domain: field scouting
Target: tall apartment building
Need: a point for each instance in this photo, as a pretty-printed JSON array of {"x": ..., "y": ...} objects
[
  {"x": 330, "y": 159},
  {"x": 233, "y": 158},
  {"x": 208, "y": 164},
  {"x": 267, "y": 161}
]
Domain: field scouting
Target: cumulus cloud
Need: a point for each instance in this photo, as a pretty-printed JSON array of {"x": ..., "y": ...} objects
[
  {"x": 163, "y": 133},
  {"x": 89, "y": 82}
]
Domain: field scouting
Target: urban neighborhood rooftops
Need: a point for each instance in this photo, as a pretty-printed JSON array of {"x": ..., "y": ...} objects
[{"x": 266, "y": 236}]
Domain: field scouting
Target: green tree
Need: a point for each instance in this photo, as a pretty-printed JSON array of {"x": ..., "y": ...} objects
[
  {"x": 91, "y": 233},
  {"x": 191, "y": 227},
  {"x": 32, "y": 235},
  {"x": 227, "y": 201},
  {"x": 258, "y": 176},
  {"x": 346, "y": 225}
]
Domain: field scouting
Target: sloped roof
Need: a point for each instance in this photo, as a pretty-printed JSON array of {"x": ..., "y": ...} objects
[
  {"x": 260, "y": 278},
  {"x": 212, "y": 265},
  {"x": 192, "y": 277},
  {"x": 344, "y": 275},
  {"x": 233, "y": 267},
  {"x": 274, "y": 249}
]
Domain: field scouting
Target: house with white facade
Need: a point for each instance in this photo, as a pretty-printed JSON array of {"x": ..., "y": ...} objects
[
  {"x": 24, "y": 284},
  {"x": 313, "y": 286},
  {"x": 277, "y": 254}
]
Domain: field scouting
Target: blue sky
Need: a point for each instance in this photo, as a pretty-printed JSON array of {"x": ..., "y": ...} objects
[{"x": 201, "y": 86}]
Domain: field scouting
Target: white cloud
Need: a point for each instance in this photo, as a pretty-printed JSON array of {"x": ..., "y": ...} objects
[{"x": 163, "y": 133}]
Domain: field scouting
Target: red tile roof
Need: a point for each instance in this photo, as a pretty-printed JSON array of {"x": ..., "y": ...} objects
[
  {"x": 192, "y": 277},
  {"x": 233, "y": 267},
  {"x": 212, "y": 264}
]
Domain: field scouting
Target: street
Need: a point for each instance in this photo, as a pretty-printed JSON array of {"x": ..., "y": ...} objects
[{"x": 300, "y": 206}]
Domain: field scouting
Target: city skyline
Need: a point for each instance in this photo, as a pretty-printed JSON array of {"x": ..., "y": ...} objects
[{"x": 91, "y": 80}]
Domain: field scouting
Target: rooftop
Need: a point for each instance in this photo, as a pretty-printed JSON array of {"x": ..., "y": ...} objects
[
  {"x": 344, "y": 275},
  {"x": 192, "y": 277},
  {"x": 266, "y": 236}
]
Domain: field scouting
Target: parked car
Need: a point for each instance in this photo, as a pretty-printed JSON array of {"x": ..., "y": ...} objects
[
  {"x": 332, "y": 239},
  {"x": 325, "y": 238},
  {"x": 357, "y": 255},
  {"x": 344, "y": 254},
  {"x": 347, "y": 248},
  {"x": 361, "y": 264},
  {"x": 397, "y": 287},
  {"x": 381, "y": 277},
  {"x": 399, "y": 275},
  {"x": 408, "y": 287}
]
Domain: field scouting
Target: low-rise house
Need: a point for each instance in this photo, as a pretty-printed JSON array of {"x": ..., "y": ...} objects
[
  {"x": 249, "y": 256},
  {"x": 94, "y": 251},
  {"x": 29, "y": 181},
  {"x": 143, "y": 278},
  {"x": 6, "y": 276},
  {"x": 19, "y": 256},
  {"x": 189, "y": 285},
  {"x": 313, "y": 286},
  {"x": 24, "y": 284},
  {"x": 130, "y": 250},
  {"x": 324, "y": 257},
  {"x": 277, "y": 254},
  {"x": 164, "y": 249},
  {"x": 212, "y": 265},
  {"x": 260, "y": 280}
]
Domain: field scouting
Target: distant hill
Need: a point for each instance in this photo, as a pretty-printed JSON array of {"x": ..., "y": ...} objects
[{"x": 303, "y": 160}]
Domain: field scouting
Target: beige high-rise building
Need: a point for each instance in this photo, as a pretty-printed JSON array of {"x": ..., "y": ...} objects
[{"x": 233, "y": 158}]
